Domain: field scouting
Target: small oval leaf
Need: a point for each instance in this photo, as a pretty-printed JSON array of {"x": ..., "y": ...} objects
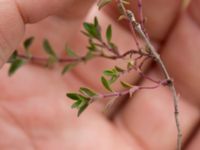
[
  {"x": 102, "y": 3},
  {"x": 106, "y": 84},
  {"x": 109, "y": 33}
]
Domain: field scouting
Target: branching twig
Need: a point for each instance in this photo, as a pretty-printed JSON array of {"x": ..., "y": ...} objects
[
  {"x": 82, "y": 58},
  {"x": 130, "y": 91},
  {"x": 129, "y": 14}
]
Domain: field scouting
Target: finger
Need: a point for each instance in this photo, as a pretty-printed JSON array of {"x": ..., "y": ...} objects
[
  {"x": 181, "y": 56},
  {"x": 194, "y": 144},
  {"x": 182, "y": 49},
  {"x": 149, "y": 118},
  {"x": 11, "y": 29},
  {"x": 33, "y": 11},
  {"x": 19, "y": 12}
]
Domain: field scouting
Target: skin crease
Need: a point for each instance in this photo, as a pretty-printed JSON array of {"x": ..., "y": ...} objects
[{"x": 35, "y": 114}]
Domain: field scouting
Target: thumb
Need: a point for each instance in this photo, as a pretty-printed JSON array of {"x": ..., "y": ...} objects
[{"x": 16, "y": 13}]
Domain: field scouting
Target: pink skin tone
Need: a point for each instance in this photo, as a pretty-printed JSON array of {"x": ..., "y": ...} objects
[{"x": 35, "y": 114}]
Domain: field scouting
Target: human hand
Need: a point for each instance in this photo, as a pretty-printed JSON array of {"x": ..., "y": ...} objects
[{"x": 36, "y": 115}]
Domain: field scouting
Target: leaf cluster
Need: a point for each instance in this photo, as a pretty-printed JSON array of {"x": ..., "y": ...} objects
[
  {"x": 82, "y": 99},
  {"x": 17, "y": 62}
]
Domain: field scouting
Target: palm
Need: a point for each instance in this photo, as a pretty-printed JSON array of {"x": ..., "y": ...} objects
[{"x": 36, "y": 114}]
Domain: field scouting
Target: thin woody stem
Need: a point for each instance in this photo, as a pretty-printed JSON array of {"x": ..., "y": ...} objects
[
  {"x": 141, "y": 13},
  {"x": 141, "y": 33},
  {"x": 82, "y": 58},
  {"x": 42, "y": 59},
  {"x": 166, "y": 74},
  {"x": 131, "y": 91}
]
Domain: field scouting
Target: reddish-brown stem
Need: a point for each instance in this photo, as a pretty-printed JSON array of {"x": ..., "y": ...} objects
[
  {"x": 82, "y": 58},
  {"x": 131, "y": 91},
  {"x": 145, "y": 76},
  {"x": 140, "y": 10},
  {"x": 43, "y": 59},
  {"x": 143, "y": 62}
]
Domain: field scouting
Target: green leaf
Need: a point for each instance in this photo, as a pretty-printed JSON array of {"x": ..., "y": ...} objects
[
  {"x": 15, "y": 65},
  {"x": 113, "y": 74},
  {"x": 96, "y": 23},
  {"x": 70, "y": 52},
  {"x": 109, "y": 33},
  {"x": 13, "y": 57},
  {"x": 88, "y": 56},
  {"x": 83, "y": 106},
  {"x": 119, "y": 69},
  {"x": 48, "y": 49},
  {"x": 87, "y": 92},
  {"x": 126, "y": 85},
  {"x": 92, "y": 30},
  {"x": 108, "y": 73},
  {"x": 92, "y": 46},
  {"x": 81, "y": 102},
  {"x": 85, "y": 33},
  {"x": 68, "y": 68},
  {"x": 76, "y": 104},
  {"x": 106, "y": 84},
  {"x": 113, "y": 79},
  {"x": 114, "y": 48},
  {"x": 73, "y": 96},
  {"x": 28, "y": 42},
  {"x": 102, "y": 3}
]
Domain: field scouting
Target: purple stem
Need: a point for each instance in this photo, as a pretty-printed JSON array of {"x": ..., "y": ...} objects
[
  {"x": 141, "y": 13},
  {"x": 131, "y": 91}
]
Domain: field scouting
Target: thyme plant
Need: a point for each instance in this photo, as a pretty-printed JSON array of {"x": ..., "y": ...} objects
[{"x": 101, "y": 45}]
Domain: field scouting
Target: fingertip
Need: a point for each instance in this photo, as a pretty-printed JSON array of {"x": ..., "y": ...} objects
[{"x": 11, "y": 29}]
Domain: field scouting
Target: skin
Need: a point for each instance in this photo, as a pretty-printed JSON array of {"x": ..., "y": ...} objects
[{"x": 35, "y": 114}]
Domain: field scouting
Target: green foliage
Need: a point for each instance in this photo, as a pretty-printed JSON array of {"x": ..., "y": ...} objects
[
  {"x": 28, "y": 42},
  {"x": 109, "y": 33},
  {"x": 125, "y": 84},
  {"x": 87, "y": 92},
  {"x": 88, "y": 56},
  {"x": 82, "y": 99},
  {"x": 102, "y": 3},
  {"x": 96, "y": 48},
  {"x": 16, "y": 63},
  {"x": 48, "y": 49},
  {"x": 70, "y": 52},
  {"x": 68, "y": 67},
  {"x": 81, "y": 102},
  {"x": 112, "y": 74},
  {"x": 106, "y": 84},
  {"x": 120, "y": 70},
  {"x": 92, "y": 46},
  {"x": 51, "y": 53},
  {"x": 114, "y": 48},
  {"x": 92, "y": 30}
]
